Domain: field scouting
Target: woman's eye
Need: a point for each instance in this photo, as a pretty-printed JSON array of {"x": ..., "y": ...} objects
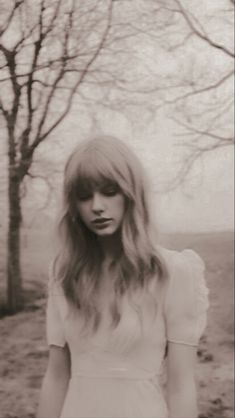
[
  {"x": 111, "y": 191},
  {"x": 84, "y": 196}
]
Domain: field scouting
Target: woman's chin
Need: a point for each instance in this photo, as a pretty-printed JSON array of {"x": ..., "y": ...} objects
[{"x": 105, "y": 233}]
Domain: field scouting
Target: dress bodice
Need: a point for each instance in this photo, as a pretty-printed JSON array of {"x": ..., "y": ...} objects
[{"x": 135, "y": 348}]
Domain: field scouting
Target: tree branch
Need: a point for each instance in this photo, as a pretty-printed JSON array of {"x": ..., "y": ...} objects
[
  {"x": 40, "y": 137},
  {"x": 202, "y": 34},
  {"x": 6, "y": 25}
]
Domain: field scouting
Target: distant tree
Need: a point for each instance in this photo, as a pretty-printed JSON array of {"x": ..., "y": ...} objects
[{"x": 49, "y": 49}]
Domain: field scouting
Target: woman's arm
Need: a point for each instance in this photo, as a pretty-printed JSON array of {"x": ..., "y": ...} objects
[
  {"x": 181, "y": 385},
  {"x": 55, "y": 383}
]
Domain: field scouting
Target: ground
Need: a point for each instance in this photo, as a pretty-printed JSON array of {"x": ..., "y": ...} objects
[{"x": 24, "y": 351}]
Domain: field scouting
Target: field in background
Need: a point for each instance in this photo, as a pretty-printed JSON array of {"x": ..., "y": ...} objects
[{"x": 23, "y": 347}]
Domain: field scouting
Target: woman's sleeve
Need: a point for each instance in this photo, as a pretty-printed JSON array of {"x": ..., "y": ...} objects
[
  {"x": 54, "y": 324},
  {"x": 186, "y": 300}
]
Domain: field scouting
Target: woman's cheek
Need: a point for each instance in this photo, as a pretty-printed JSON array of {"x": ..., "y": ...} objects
[{"x": 83, "y": 211}]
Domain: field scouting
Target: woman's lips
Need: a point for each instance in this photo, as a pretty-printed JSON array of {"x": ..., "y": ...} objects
[{"x": 101, "y": 222}]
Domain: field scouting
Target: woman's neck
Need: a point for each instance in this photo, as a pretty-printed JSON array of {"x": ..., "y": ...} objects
[{"x": 111, "y": 247}]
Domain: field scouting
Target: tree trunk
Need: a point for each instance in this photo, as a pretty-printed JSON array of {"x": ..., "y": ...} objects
[{"x": 14, "y": 280}]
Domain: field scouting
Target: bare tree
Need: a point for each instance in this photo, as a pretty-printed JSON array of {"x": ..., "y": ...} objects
[
  {"x": 192, "y": 72},
  {"x": 48, "y": 50},
  {"x": 204, "y": 109}
]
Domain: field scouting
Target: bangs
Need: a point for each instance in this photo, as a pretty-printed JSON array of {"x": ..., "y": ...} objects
[{"x": 92, "y": 171}]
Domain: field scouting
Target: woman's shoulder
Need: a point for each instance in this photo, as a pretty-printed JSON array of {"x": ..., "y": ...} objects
[
  {"x": 54, "y": 285},
  {"x": 186, "y": 275},
  {"x": 186, "y": 279},
  {"x": 181, "y": 260}
]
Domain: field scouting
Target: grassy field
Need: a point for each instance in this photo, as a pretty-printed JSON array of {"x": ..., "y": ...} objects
[{"x": 23, "y": 346}]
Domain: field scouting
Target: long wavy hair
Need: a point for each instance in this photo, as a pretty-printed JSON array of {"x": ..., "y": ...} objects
[{"x": 79, "y": 261}]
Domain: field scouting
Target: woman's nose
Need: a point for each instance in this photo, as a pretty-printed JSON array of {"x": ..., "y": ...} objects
[{"x": 98, "y": 203}]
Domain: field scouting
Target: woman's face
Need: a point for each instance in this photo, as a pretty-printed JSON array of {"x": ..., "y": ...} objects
[{"x": 101, "y": 208}]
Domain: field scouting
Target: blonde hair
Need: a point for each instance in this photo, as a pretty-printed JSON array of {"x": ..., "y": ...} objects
[{"x": 78, "y": 264}]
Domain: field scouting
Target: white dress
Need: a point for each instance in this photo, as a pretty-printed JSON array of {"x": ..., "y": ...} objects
[{"x": 116, "y": 373}]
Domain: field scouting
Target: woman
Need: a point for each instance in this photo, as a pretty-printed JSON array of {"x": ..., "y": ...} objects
[{"x": 117, "y": 300}]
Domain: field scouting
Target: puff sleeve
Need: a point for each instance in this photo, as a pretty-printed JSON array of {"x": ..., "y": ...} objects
[
  {"x": 186, "y": 300},
  {"x": 54, "y": 323}
]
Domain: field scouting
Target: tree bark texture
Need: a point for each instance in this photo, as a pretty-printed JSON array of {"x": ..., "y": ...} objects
[{"x": 14, "y": 280}]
